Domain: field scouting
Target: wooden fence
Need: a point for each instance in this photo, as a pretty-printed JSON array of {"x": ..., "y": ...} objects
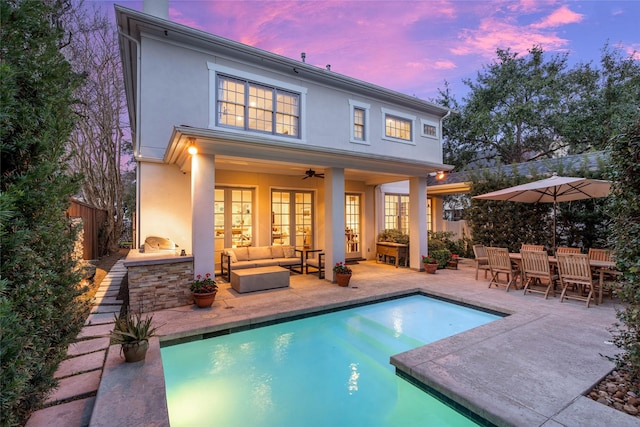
[{"x": 93, "y": 219}]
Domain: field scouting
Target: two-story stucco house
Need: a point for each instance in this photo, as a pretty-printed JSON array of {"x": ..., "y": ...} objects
[{"x": 284, "y": 152}]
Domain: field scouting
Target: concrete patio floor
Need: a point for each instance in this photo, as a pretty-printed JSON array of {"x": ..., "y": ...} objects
[{"x": 531, "y": 368}]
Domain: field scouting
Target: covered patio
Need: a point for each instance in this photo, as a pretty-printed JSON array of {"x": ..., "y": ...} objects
[{"x": 529, "y": 368}]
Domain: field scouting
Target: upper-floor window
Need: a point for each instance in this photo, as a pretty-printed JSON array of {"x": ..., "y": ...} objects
[
  {"x": 255, "y": 107},
  {"x": 429, "y": 129},
  {"x": 359, "y": 122},
  {"x": 398, "y": 126}
]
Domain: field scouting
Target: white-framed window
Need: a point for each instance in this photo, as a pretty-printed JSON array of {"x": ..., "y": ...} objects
[
  {"x": 254, "y": 107},
  {"x": 429, "y": 129},
  {"x": 398, "y": 126},
  {"x": 359, "y": 122},
  {"x": 242, "y": 101},
  {"x": 396, "y": 212}
]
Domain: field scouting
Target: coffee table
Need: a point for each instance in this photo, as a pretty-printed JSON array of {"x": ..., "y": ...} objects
[{"x": 259, "y": 279}]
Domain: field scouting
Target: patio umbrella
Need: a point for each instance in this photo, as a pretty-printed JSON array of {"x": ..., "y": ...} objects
[{"x": 552, "y": 190}]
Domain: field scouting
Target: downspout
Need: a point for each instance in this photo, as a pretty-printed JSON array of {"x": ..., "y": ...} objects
[
  {"x": 442, "y": 120},
  {"x": 136, "y": 151}
]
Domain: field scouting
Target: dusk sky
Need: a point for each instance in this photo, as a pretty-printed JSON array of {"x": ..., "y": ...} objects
[{"x": 413, "y": 46}]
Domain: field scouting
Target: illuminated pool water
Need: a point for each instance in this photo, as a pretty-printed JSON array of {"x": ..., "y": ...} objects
[{"x": 327, "y": 370}]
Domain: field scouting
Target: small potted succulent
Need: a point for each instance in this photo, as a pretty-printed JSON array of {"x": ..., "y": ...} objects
[
  {"x": 132, "y": 332},
  {"x": 204, "y": 290},
  {"x": 343, "y": 273},
  {"x": 430, "y": 264}
]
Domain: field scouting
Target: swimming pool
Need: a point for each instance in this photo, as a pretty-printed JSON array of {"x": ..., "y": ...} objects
[{"x": 326, "y": 370}]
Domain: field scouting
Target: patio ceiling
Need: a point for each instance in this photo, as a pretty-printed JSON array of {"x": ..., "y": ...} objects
[{"x": 253, "y": 154}]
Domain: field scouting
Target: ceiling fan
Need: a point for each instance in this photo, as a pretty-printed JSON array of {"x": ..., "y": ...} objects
[{"x": 311, "y": 173}]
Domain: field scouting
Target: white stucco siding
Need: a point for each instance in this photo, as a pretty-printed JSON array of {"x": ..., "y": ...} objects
[
  {"x": 174, "y": 92},
  {"x": 165, "y": 203},
  {"x": 179, "y": 89}
]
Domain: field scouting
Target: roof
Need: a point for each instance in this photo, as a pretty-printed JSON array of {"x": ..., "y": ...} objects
[{"x": 458, "y": 182}]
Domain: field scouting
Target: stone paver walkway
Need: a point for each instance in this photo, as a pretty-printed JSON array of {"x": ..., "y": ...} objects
[{"x": 71, "y": 404}]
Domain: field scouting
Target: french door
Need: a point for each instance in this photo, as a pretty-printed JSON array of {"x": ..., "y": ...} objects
[
  {"x": 353, "y": 225},
  {"x": 232, "y": 219},
  {"x": 292, "y": 221}
]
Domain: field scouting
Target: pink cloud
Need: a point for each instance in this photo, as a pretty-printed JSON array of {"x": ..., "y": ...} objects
[
  {"x": 445, "y": 65},
  {"x": 493, "y": 34},
  {"x": 632, "y": 50},
  {"x": 561, "y": 16},
  {"x": 524, "y": 6}
]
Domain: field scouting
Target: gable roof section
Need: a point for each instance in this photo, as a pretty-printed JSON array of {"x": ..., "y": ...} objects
[{"x": 459, "y": 182}]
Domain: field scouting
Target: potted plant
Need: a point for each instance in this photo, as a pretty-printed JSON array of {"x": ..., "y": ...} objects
[
  {"x": 430, "y": 264},
  {"x": 343, "y": 274},
  {"x": 204, "y": 290},
  {"x": 132, "y": 332}
]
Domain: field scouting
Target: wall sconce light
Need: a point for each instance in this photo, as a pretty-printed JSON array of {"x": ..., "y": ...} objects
[
  {"x": 192, "y": 149},
  {"x": 440, "y": 175}
]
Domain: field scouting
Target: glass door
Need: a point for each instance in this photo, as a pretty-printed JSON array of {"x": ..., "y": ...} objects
[
  {"x": 232, "y": 219},
  {"x": 292, "y": 218},
  {"x": 352, "y": 237}
]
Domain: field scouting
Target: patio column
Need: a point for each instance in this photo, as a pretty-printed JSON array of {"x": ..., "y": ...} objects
[
  {"x": 202, "y": 210},
  {"x": 334, "y": 219},
  {"x": 417, "y": 221}
]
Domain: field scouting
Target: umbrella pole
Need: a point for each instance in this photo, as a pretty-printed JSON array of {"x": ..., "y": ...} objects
[{"x": 554, "y": 227}]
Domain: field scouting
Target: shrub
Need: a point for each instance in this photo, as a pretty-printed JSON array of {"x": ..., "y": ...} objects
[
  {"x": 625, "y": 236},
  {"x": 40, "y": 312},
  {"x": 442, "y": 256},
  {"x": 394, "y": 236}
]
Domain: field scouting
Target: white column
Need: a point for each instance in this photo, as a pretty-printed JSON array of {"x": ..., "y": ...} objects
[
  {"x": 202, "y": 200},
  {"x": 417, "y": 221},
  {"x": 334, "y": 219}
]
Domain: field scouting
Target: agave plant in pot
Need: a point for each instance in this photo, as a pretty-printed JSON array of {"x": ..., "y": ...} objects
[
  {"x": 343, "y": 273},
  {"x": 132, "y": 332},
  {"x": 204, "y": 290},
  {"x": 430, "y": 264}
]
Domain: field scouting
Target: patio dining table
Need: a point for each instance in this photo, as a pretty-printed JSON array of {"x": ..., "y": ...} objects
[{"x": 601, "y": 267}]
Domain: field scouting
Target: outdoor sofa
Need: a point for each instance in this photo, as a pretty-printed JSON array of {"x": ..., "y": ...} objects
[{"x": 260, "y": 256}]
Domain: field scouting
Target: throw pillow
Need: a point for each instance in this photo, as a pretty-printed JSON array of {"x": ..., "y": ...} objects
[
  {"x": 289, "y": 251},
  {"x": 233, "y": 256}
]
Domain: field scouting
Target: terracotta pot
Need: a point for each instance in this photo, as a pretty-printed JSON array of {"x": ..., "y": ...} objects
[
  {"x": 204, "y": 300},
  {"x": 431, "y": 268},
  {"x": 136, "y": 351},
  {"x": 343, "y": 279}
]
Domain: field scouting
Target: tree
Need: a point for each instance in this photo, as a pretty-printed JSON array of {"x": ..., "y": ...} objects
[
  {"x": 98, "y": 144},
  {"x": 602, "y": 101},
  {"x": 508, "y": 114},
  {"x": 522, "y": 108},
  {"x": 40, "y": 311}
]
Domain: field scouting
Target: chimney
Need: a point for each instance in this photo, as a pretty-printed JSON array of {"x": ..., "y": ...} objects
[{"x": 158, "y": 8}]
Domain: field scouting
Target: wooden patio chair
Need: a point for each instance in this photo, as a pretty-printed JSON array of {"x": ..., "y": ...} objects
[
  {"x": 575, "y": 270},
  {"x": 537, "y": 272},
  {"x": 526, "y": 247},
  {"x": 567, "y": 250},
  {"x": 499, "y": 262},
  {"x": 600, "y": 254},
  {"x": 603, "y": 274},
  {"x": 482, "y": 261}
]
